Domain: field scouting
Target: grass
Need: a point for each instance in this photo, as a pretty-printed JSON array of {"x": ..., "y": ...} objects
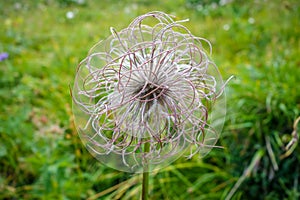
[{"x": 41, "y": 155}]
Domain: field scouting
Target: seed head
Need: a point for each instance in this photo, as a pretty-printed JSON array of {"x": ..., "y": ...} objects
[{"x": 153, "y": 84}]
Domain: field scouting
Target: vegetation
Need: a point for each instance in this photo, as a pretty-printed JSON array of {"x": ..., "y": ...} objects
[{"x": 41, "y": 155}]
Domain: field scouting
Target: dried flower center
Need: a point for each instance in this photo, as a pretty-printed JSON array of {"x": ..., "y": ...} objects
[{"x": 150, "y": 92}]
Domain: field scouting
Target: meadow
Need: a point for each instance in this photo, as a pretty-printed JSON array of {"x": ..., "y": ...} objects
[{"x": 41, "y": 155}]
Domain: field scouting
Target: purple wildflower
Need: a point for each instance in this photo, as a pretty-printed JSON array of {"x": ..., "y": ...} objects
[{"x": 3, "y": 56}]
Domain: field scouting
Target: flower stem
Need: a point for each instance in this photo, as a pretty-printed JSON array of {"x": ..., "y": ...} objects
[{"x": 145, "y": 186}]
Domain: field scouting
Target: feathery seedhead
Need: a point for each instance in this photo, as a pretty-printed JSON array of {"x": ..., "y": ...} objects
[{"x": 151, "y": 83}]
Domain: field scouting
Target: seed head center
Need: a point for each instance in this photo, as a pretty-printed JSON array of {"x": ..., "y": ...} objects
[{"x": 150, "y": 92}]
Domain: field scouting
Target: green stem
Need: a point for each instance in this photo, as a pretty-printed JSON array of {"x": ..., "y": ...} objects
[{"x": 145, "y": 186}]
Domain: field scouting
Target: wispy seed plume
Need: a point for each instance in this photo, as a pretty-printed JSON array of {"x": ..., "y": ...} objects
[{"x": 150, "y": 83}]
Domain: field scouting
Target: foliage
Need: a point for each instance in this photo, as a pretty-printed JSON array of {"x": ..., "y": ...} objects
[{"x": 41, "y": 156}]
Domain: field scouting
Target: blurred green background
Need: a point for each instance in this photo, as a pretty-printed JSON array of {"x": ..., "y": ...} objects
[{"x": 41, "y": 155}]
